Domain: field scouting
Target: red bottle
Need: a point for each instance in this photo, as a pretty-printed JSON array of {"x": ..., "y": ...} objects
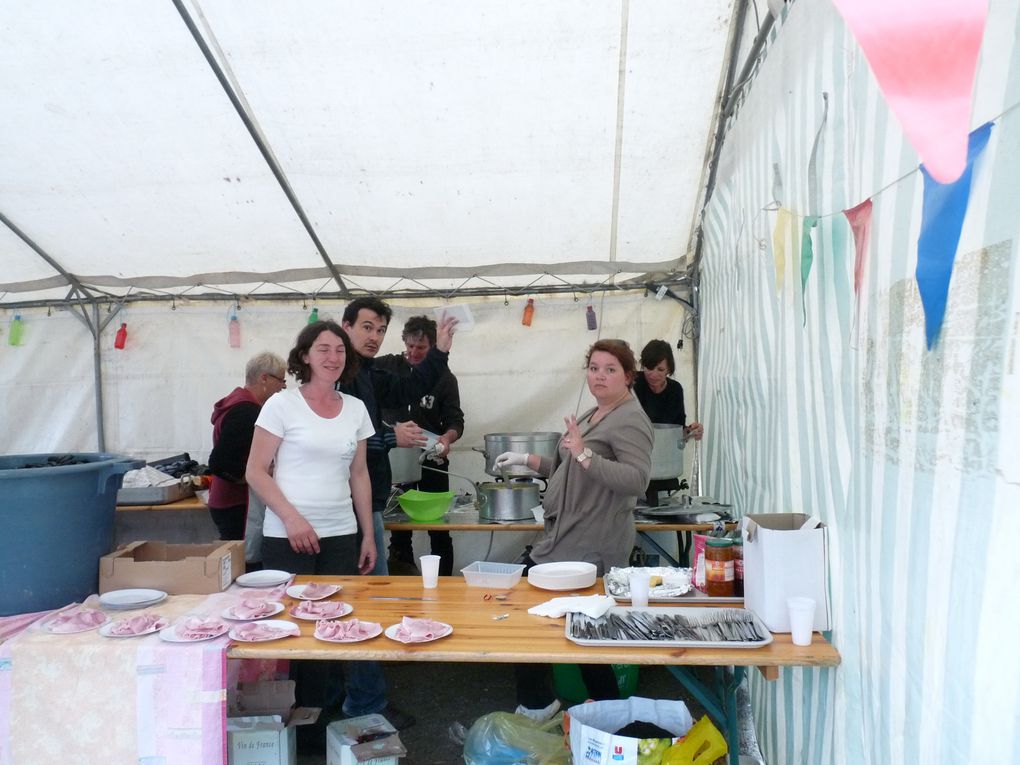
[
  {"x": 121, "y": 338},
  {"x": 529, "y": 312}
]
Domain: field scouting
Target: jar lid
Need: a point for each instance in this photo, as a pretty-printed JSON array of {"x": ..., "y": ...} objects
[
  {"x": 718, "y": 542},
  {"x": 737, "y": 540}
]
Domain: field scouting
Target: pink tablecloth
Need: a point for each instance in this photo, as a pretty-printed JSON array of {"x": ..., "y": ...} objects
[{"x": 87, "y": 698}]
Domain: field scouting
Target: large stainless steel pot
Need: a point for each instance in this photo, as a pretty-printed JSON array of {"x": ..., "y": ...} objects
[
  {"x": 541, "y": 443},
  {"x": 667, "y": 452},
  {"x": 510, "y": 501},
  {"x": 404, "y": 464}
]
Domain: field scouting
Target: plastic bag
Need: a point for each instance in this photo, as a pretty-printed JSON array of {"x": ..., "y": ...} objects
[{"x": 502, "y": 738}]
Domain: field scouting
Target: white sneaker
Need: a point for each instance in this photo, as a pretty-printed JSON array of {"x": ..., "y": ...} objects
[{"x": 539, "y": 715}]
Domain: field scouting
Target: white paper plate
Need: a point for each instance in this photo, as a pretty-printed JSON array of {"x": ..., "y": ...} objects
[
  {"x": 124, "y": 600},
  {"x": 228, "y": 613},
  {"x": 375, "y": 633},
  {"x": 266, "y": 578},
  {"x": 347, "y": 609},
  {"x": 281, "y": 627},
  {"x": 105, "y": 629},
  {"x": 48, "y": 626},
  {"x": 170, "y": 635},
  {"x": 298, "y": 590},
  {"x": 568, "y": 575},
  {"x": 391, "y": 633}
]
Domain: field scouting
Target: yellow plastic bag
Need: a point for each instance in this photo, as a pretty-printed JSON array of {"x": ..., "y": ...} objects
[{"x": 702, "y": 745}]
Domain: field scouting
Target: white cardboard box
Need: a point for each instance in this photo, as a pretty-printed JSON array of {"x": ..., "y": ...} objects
[
  {"x": 342, "y": 735},
  {"x": 266, "y": 734},
  {"x": 589, "y": 726},
  {"x": 786, "y": 555}
]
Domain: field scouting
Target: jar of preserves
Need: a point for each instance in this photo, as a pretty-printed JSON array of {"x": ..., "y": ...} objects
[
  {"x": 719, "y": 567},
  {"x": 738, "y": 567}
]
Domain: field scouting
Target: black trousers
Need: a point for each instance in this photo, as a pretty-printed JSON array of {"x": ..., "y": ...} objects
[
  {"x": 317, "y": 683},
  {"x": 441, "y": 542},
  {"x": 533, "y": 687},
  {"x": 230, "y": 521}
]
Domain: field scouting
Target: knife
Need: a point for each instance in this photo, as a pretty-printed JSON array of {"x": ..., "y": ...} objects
[{"x": 377, "y": 597}]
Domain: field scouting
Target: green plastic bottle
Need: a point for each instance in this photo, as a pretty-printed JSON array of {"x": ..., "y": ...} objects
[
  {"x": 14, "y": 335},
  {"x": 314, "y": 315}
]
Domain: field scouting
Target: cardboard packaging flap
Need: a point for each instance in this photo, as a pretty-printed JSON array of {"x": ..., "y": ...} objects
[{"x": 176, "y": 568}]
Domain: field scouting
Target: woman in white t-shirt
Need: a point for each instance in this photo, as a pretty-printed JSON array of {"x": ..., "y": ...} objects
[{"x": 318, "y": 493}]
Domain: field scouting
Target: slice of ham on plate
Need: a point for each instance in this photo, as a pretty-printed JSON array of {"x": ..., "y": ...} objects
[
  {"x": 249, "y": 609},
  {"x": 313, "y": 591},
  {"x": 314, "y": 611},
  {"x": 412, "y": 630},
  {"x": 257, "y": 632},
  {"x": 350, "y": 631},
  {"x": 80, "y": 620},
  {"x": 192, "y": 629},
  {"x": 133, "y": 626}
]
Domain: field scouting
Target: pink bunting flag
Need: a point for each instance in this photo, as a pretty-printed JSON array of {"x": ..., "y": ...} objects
[
  {"x": 924, "y": 55},
  {"x": 859, "y": 218}
]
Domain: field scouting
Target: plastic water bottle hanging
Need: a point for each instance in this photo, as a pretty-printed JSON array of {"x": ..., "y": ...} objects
[
  {"x": 121, "y": 339},
  {"x": 314, "y": 315},
  {"x": 234, "y": 329},
  {"x": 529, "y": 312},
  {"x": 14, "y": 333}
]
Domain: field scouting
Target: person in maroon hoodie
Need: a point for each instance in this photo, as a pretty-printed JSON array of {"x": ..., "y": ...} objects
[{"x": 233, "y": 421}]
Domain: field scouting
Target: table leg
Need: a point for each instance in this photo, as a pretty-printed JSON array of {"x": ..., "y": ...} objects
[
  {"x": 719, "y": 699},
  {"x": 658, "y": 548},
  {"x": 683, "y": 546}
]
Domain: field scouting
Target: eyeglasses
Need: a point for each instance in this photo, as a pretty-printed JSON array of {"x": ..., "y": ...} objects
[{"x": 281, "y": 380}]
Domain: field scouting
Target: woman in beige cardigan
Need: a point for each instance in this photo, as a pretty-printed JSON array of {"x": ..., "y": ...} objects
[{"x": 601, "y": 467}]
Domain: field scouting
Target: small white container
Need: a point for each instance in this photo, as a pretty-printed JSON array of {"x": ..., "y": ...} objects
[{"x": 483, "y": 573}]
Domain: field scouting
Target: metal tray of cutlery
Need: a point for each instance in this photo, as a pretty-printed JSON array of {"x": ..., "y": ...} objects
[{"x": 689, "y": 627}]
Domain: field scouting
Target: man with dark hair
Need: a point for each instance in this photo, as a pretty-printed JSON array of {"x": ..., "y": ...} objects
[
  {"x": 365, "y": 321},
  {"x": 437, "y": 411}
]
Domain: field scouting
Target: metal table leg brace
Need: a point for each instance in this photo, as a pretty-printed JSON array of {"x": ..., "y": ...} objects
[{"x": 719, "y": 699}]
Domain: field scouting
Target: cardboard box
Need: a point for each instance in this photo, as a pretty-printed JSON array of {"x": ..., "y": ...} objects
[
  {"x": 343, "y": 734},
  {"x": 175, "y": 569},
  {"x": 588, "y": 727},
  {"x": 785, "y": 555},
  {"x": 261, "y": 724}
]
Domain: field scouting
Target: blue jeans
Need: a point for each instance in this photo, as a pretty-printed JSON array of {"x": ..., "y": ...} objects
[{"x": 381, "y": 569}]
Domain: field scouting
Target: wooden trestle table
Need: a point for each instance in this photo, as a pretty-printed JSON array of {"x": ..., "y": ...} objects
[{"x": 488, "y": 630}]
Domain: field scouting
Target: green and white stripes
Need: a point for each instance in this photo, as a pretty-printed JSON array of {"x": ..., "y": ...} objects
[{"x": 811, "y": 405}]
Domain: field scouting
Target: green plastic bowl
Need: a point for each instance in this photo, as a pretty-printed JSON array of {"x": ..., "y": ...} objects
[{"x": 425, "y": 506}]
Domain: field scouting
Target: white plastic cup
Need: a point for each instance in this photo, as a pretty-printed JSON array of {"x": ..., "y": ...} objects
[
  {"x": 802, "y": 619},
  {"x": 429, "y": 571},
  {"x": 639, "y": 585}
]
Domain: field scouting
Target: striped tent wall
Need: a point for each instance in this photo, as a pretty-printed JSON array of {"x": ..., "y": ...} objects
[{"x": 821, "y": 401}]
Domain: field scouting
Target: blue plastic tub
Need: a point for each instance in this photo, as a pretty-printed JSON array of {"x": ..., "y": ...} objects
[{"x": 57, "y": 523}]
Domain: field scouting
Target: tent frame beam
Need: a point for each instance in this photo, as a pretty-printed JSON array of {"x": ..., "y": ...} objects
[{"x": 260, "y": 142}]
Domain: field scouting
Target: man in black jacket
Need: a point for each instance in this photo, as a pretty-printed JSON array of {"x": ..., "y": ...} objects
[{"x": 439, "y": 412}]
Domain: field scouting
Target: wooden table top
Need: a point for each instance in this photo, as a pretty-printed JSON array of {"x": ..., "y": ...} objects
[
  {"x": 456, "y": 520},
  {"x": 519, "y": 638}
]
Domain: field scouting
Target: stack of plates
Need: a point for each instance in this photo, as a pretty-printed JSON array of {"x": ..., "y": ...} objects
[
  {"x": 568, "y": 575},
  {"x": 125, "y": 600},
  {"x": 267, "y": 577}
]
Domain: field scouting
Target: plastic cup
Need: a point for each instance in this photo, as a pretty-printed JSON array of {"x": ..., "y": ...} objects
[
  {"x": 639, "y": 585},
  {"x": 802, "y": 619},
  {"x": 429, "y": 571}
]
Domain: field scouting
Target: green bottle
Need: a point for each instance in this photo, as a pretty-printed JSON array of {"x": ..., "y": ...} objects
[
  {"x": 314, "y": 315},
  {"x": 14, "y": 336}
]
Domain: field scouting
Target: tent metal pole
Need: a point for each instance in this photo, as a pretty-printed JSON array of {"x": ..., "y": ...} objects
[{"x": 97, "y": 374}]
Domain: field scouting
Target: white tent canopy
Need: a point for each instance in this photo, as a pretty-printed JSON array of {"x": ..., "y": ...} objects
[{"x": 393, "y": 146}]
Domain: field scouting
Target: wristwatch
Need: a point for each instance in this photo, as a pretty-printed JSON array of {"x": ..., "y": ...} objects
[{"x": 584, "y": 455}]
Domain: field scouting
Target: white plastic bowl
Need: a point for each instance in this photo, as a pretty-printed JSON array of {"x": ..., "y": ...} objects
[
  {"x": 483, "y": 573},
  {"x": 567, "y": 575}
]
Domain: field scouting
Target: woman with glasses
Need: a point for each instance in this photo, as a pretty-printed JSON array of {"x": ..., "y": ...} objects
[{"x": 233, "y": 421}]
